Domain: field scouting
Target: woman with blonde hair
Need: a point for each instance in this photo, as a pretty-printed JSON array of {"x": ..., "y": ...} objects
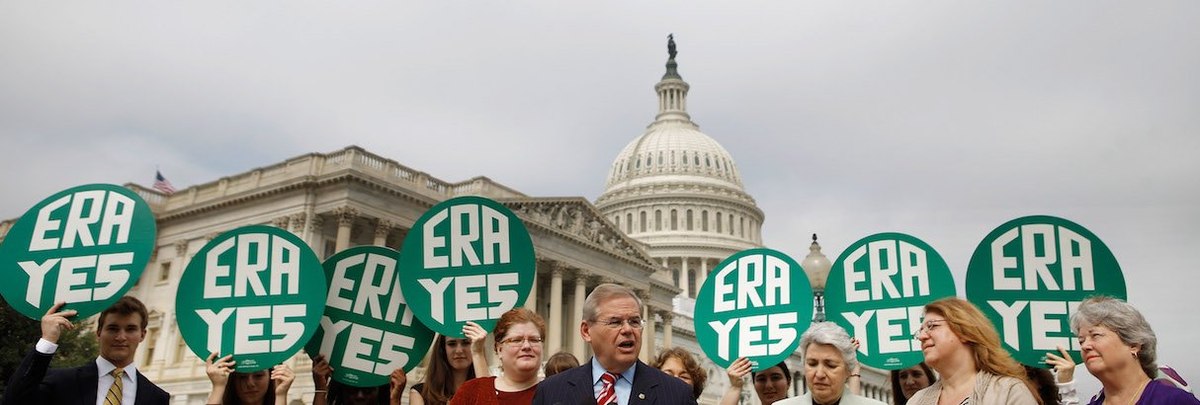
[{"x": 963, "y": 346}]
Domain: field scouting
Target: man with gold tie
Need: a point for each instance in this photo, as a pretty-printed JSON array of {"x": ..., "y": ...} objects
[{"x": 110, "y": 380}]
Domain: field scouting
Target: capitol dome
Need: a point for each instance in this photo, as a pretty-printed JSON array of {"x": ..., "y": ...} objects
[{"x": 678, "y": 191}]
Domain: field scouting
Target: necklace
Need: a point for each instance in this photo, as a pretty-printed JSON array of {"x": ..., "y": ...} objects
[{"x": 1137, "y": 394}]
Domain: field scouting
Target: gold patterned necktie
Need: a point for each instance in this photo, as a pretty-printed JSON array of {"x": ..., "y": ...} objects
[{"x": 116, "y": 391}]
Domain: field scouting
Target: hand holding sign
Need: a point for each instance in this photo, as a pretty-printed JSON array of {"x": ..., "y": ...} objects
[
  {"x": 1063, "y": 367},
  {"x": 55, "y": 322}
]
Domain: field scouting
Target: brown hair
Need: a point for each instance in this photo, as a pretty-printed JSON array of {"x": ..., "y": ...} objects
[
  {"x": 689, "y": 363},
  {"x": 898, "y": 391},
  {"x": 125, "y": 306},
  {"x": 559, "y": 362},
  {"x": 977, "y": 333},
  {"x": 439, "y": 376},
  {"x": 230, "y": 396},
  {"x": 517, "y": 316}
]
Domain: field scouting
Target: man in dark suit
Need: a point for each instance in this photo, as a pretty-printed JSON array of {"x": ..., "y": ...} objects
[
  {"x": 612, "y": 325},
  {"x": 110, "y": 380}
]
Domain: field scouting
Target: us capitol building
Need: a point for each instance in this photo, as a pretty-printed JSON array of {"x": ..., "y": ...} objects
[{"x": 673, "y": 207}]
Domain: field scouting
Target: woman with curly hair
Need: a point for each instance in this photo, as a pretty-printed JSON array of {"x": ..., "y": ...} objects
[{"x": 680, "y": 363}]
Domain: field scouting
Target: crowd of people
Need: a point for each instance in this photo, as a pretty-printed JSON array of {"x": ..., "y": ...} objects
[{"x": 965, "y": 363}]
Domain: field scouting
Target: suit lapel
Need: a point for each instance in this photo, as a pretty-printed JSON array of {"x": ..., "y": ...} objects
[
  {"x": 583, "y": 384},
  {"x": 644, "y": 383},
  {"x": 141, "y": 397}
]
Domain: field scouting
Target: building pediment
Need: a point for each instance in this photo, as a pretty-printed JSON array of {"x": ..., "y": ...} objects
[{"x": 577, "y": 219}]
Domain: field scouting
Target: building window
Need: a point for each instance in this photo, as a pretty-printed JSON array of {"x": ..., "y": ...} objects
[
  {"x": 674, "y": 220},
  {"x": 642, "y": 218},
  {"x": 718, "y": 222},
  {"x": 704, "y": 221},
  {"x": 151, "y": 342},
  {"x": 689, "y": 220},
  {"x": 164, "y": 271},
  {"x": 629, "y": 223},
  {"x": 658, "y": 220}
]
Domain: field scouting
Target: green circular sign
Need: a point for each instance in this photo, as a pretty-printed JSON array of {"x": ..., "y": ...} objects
[
  {"x": 877, "y": 291},
  {"x": 368, "y": 330},
  {"x": 755, "y": 304},
  {"x": 85, "y": 246},
  {"x": 466, "y": 259},
  {"x": 256, "y": 292},
  {"x": 1029, "y": 275}
]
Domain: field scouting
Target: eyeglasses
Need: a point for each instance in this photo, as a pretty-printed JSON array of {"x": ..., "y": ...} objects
[
  {"x": 521, "y": 341},
  {"x": 617, "y": 323},
  {"x": 929, "y": 326}
]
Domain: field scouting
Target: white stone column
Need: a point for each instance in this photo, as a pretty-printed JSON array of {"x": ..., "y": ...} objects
[
  {"x": 648, "y": 350},
  {"x": 668, "y": 330},
  {"x": 580, "y": 295},
  {"x": 702, "y": 273},
  {"x": 683, "y": 277},
  {"x": 382, "y": 229},
  {"x": 316, "y": 234},
  {"x": 531, "y": 302},
  {"x": 345, "y": 218},
  {"x": 556, "y": 307}
]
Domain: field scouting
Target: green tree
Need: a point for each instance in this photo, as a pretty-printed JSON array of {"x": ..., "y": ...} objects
[{"x": 19, "y": 333}]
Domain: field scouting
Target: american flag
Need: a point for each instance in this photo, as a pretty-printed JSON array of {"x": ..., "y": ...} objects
[{"x": 161, "y": 184}]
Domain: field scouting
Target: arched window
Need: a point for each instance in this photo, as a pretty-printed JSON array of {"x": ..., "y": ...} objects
[
  {"x": 718, "y": 222},
  {"x": 690, "y": 225},
  {"x": 674, "y": 220},
  {"x": 642, "y": 218},
  {"x": 658, "y": 220},
  {"x": 704, "y": 220},
  {"x": 629, "y": 223}
]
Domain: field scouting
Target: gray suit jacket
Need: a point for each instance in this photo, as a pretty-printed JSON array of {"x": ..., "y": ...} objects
[{"x": 650, "y": 386}]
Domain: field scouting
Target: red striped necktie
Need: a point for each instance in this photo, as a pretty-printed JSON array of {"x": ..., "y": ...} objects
[{"x": 608, "y": 393}]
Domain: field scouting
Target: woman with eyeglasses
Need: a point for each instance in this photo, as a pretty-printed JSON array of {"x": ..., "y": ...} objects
[
  {"x": 452, "y": 362},
  {"x": 518, "y": 336},
  {"x": 961, "y": 344},
  {"x": 1119, "y": 348}
]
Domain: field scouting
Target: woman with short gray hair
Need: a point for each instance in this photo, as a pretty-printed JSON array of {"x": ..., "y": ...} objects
[
  {"x": 829, "y": 360},
  {"x": 1119, "y": 348}
]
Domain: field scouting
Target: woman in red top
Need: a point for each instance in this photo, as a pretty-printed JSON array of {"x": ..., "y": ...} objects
[{"x": 519, "y": 346}]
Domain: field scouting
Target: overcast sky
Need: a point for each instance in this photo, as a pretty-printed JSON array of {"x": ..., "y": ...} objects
[{"x": 940, "y": 119}]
